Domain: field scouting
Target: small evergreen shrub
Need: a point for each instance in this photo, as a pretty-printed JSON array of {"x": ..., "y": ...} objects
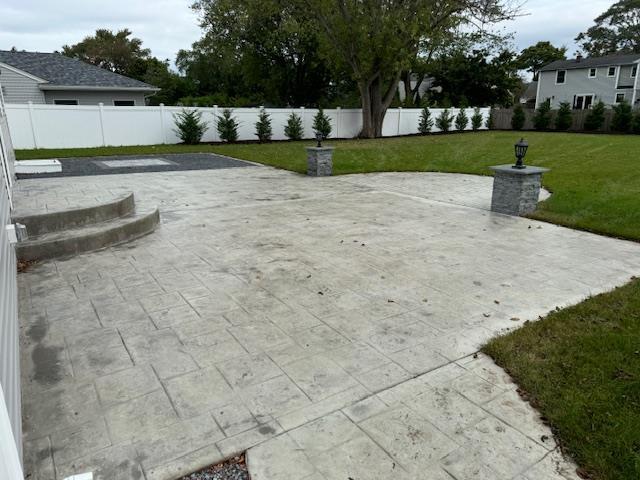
[
  {"x": 489, "y": 122},
  {"x": 443, "y": 122},
  {"x": 426, "y": 122},
  {"x": 564, "y": 118},
  {"x": 263, "y": 126},
  {"x": 595, "y": 118},
  {"x": 622, "y": 117},
  {"x": 189, "y": 126},
  {"x": 322, "y": 124},
  {"x": 462, "y": 121},
  {"x": 228, "y": 126},
  {"x": 635, "y": 123},
  {"x": 293, "y": 129},
  {"x": 476, "y": 119},
  {"x": 542, "y": 117},
  {"x": 518, "y": 118}
]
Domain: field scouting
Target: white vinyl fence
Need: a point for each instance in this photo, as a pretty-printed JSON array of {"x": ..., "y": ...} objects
[{"x": 64, "y": 126}]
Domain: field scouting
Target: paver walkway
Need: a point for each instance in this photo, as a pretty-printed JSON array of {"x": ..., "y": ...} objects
[{"x": 330, "y": 324}]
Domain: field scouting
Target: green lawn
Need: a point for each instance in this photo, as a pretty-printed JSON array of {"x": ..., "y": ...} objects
[
  {"x": 581, "y": 368},
  {"x": 595, "y": 178},
  {"x": 581, "y": 365}
]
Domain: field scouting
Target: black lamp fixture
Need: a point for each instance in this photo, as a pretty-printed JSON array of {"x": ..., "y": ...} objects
[
  {"x": 319, "y": 139},
  {"x": 521, "y": 150}
]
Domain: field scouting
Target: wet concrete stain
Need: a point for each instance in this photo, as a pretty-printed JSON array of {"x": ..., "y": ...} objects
[
  {"x": 266, "y": 430},
  {"x": 46, "y": 359}
]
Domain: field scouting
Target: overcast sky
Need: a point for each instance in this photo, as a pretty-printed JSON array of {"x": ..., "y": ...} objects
[{"x": 166, "y": 26}]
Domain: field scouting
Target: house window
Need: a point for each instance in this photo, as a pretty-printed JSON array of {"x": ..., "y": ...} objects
[
  {"x": 612, "y": 71},
  {"x": 124, "y": 103},
  {"x": 634, "y": 71},
  {"x": 619, "y": 97},
  {"x": 561, "y": 76},
  {"x": 593, "y": 72},
  {"x": 582, "y": 102},
  {"x": 65, "y": 102}
]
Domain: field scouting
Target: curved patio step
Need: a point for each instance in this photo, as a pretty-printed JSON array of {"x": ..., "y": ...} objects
[
  {"x": 88, "y": 238},
  {"x": 60, "y": 220}
]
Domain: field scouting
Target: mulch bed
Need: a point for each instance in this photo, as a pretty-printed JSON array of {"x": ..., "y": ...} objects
[{"x": 232, "y": 469}]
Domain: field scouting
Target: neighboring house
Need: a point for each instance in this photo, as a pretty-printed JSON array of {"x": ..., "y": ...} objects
[
  {"x": 584, "y": 81},
  {"x": 56, "y": 79}
]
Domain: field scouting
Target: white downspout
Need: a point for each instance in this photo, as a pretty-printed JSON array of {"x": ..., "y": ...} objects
[{"x": 636, "y": 85}]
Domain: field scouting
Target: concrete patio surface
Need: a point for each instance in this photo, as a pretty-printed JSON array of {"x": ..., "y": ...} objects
[{"x": 328, "y": 325}]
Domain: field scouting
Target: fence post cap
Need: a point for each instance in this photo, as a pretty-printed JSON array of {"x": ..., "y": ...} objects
[
  {"x": 162, "y": 104},
  {"x": 100, "y": 104}
]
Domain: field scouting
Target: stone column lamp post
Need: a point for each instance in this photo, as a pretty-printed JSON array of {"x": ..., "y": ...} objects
[
  {"x": 319, "y": 159},
  {"x": 516, "y": 188}
]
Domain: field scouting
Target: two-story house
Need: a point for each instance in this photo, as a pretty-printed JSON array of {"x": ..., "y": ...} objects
[{"x": 584, "y": 81}]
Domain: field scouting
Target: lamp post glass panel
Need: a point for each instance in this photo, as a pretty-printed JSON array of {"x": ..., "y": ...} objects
[
  {"x": 319, "y": 139},
  {"x": 521, "y": 151}
]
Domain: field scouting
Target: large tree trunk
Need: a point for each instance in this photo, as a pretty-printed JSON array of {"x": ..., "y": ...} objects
[{"x": 375, "y": 104}]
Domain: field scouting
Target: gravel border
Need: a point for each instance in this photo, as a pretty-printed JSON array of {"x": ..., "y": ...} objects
[{"x": 234, "y": 468}]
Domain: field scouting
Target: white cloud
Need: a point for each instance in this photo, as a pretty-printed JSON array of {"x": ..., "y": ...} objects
[{"x": 166, "y": 26}]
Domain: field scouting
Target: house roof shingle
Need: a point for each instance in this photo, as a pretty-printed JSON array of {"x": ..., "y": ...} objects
[
  {"x": 59, "y": 70},
  {"x": 592, "y": 62}
]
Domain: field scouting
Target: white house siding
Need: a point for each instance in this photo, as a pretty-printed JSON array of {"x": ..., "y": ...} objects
[
  {"x": 18, "y": 88},
  {"x": 94, "y": 97},
  {"x": 10, "y": 411},
  {"x": 578, "y": 82}
]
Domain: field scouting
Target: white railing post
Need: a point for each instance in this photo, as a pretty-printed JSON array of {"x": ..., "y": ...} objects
[
  {"x": 304, "y": 125},
  {"x": 34, "y": 135},
  {"x": 338, "y": 115},
  {"x": 162, "y": 130},
  {"x": 399, "y": 120},
  {"x": 215, "y": 123},
  {"x": 101, "y": 114}
]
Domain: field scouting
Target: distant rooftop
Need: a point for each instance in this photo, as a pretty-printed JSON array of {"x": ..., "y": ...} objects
[
  {"x": 592, "y": 62},
  {"x": 59, "y": 70}
]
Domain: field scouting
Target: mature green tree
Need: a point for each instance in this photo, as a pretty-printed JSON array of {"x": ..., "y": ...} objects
[
  {"x": 533, "y": 58},
  {"x": 265, "y": 50},
  {"x": 616, "y": 30},
  {"x": 378, "y": 40},
  {"x": 112, "y": 51},
  {"x": 475, "y": 79}
]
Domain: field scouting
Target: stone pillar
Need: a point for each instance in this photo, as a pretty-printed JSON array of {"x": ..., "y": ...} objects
[
  {"x": 516, "y": 191},
  {"x": 319, "y": 161}
]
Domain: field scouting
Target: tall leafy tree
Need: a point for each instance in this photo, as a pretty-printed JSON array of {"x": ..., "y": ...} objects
[
  {"x": 475, "y": 78},
  {"x": 616, "y": 30},
  {"x": 533, "y": 58},
  {"x": 377, "y": 40},
  {"x": 113, "y": 51},
  {"x": 267, "y": 50}
]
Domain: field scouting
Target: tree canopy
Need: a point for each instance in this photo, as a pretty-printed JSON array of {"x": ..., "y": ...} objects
[
  {"x": 533, "y": 58},
  {"x": 616, "y": 30}
]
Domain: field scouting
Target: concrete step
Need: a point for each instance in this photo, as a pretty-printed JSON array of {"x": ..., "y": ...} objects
[
  {"x": 57, "y": 221},
  {"x": 89, "y": 237}
]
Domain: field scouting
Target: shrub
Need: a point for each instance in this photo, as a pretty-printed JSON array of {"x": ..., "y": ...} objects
[
  {"x": 542, "y": 117},
  {"x": 518, "y": 118},
  {"x": 228, "y": 126},
  {"x": 489, "y": 122},
  {"x": 426, "y": 122},
  {"x": 564, "y": 118},
  {"x": 622, "y": 117},
  {"x": 476, "y": 119},
  {"x": 322, "y": 124},
  {"x": 189, "y": 126},
  {"x": 595, "y": 118},
  {"x": 263, "y": 126},
  {"x": 635, "y": 123},
  {"x": 443, "y": 122},
  {"x": 462, "y": 121},
  {"x": 293, "y": 129}
]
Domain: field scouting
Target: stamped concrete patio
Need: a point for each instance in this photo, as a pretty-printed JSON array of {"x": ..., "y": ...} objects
[{"x": 328, "y": 325}]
